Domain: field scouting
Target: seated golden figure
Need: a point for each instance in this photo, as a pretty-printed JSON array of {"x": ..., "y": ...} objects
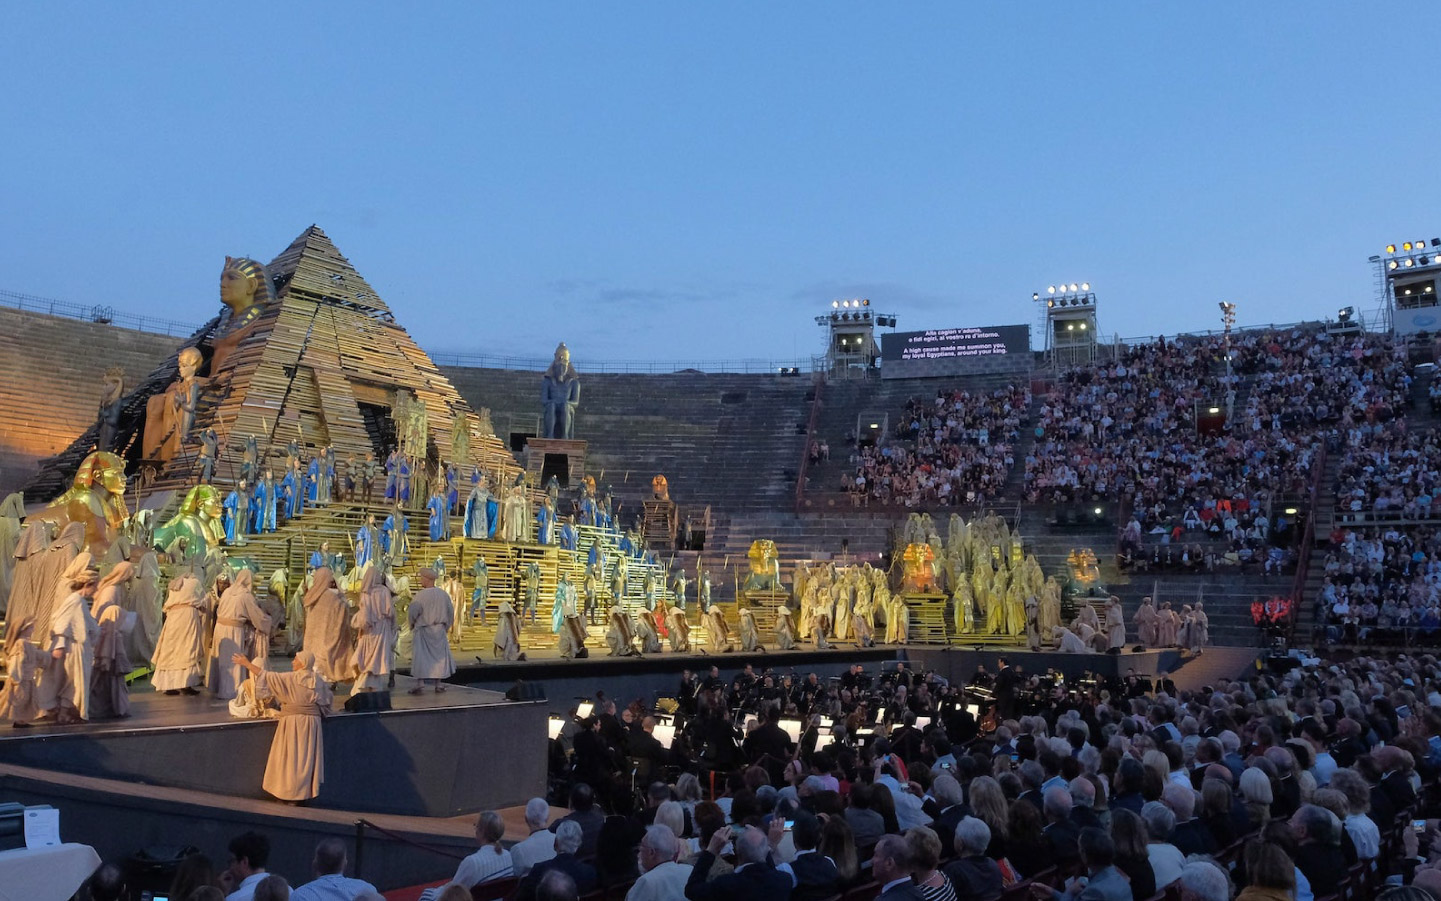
[
  {"x": 918, "y": 572},
  {"x": 765, "y": 572}
]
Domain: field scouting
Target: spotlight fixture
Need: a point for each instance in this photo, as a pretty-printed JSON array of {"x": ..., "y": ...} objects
[
  {"x": 866, "y": 302},
  {"x": 1035, "y": 295},
  {"x": 1075, "y": 287},
  {"x": 1085, "y": 286},
  {"x": 1406, "y": 246},
  {"x": 1051, "y": 290},
  {"x": 1050, "y": 303},
  {"x": 835, "y": 304},
  {"x": 1436, "y": 242},
  {"x": 1410, "y": 263},
  {"x": 1390, "y": 248},
  {"x": 1391, "y": 265}
]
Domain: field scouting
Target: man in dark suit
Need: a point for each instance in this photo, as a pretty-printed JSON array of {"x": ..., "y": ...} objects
[
  {"x": 1006, "y": 681},
  {"x": 891, "y": 866},
  {"x": 584, "y": 813},
  {"x": 768, "y": 738},
  {"x": 1315, "y": 855},
  {"x": 645, "y": 746},
  {"x": 815, "y": 875},
  {"x": 754, "y": 879},
  {"x": 1083, "y": 802},
  {"x": 567, "y": 842}
]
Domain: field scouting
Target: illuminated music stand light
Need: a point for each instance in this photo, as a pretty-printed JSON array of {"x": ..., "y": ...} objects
[
  {"x": 923, "y": 722},
  {"x": 584, "y": 709},
  {"x": 792, "y": 728},
  {"x": 554, "y": 726},
  {"x": 974, "y": 710},
  {"x": 665, "y": 735}
]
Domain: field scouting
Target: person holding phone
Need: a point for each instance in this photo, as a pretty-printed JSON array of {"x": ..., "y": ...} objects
[{"x": 754, "y": 878}]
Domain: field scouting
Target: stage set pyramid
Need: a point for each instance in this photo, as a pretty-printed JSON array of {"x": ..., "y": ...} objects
[{"x": 303, "y": 352}]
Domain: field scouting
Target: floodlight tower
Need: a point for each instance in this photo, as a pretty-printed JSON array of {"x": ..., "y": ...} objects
[
  {"x": 850, "y": 326},
  {"x": 1410, "y": 278},
  {"x": 1070, "y": 324},
  {"x": 1228, "y": 322}
]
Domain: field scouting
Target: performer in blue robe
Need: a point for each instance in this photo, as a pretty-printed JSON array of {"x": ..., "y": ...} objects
[
  {"x": 477, "y": 512},
  {"x": 402, "y": 480},
  {"x": 366, "y": 540},
  {"x": 567, "y": 536},
  {"x": 481, "y": 571},
  {"x": 492, "y": 510},
  {"x": 236, "y": 507},
  {"x": 397, "y": 543},
  {"x": 439, "y": 522},
  {"x": 392, "y": 466},
  {"x": 452, "y": 492},
  {"x": 264, "y": 504},
  {"x": 292, "y": 489},
  {"x": 545, "y": 522}
]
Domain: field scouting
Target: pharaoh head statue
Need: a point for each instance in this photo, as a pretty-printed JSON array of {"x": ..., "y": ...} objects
[
  {"x": 560, "y": 367},
  {"x": 244, "y": 288},
  {"x": 113, "y": 384}
]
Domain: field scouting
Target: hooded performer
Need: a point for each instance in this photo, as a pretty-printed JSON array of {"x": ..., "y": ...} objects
[
  {"x": 64, "y": 689},
  {"x": 295, "y": 769},
  {"x": 239, "y": 621},
  {"x": 181, "y": 648},
  {"x": 327, "y": 628},
  {"x": 109, "y": 697},
  {"x": 374, "y": 623}
]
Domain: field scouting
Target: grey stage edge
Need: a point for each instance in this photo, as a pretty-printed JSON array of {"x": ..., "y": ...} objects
[{"x": 434, "y": 761}]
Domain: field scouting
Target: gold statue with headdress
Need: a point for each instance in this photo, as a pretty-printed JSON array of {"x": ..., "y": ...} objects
[
  {"x": 96, "y": 498},
  {"x": 660, "y": 488},
  {"x": 246, "y": 293},
  {"x": 198, "y": 522}
]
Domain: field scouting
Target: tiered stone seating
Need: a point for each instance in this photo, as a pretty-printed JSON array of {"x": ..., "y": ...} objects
[
  {"x": 50, "y": 382},
  {"x": 732, "y": 441}
]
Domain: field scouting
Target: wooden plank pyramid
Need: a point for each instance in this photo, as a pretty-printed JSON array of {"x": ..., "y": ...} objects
[{"x": 321, "y": 365}]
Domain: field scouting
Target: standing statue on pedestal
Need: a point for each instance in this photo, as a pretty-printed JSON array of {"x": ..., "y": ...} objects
[
  {"x": 477, "y": 511},
  {"x": 565, "y": 621},
  {"x": 618, "y": 576},
  {"x": 481, "y": 570},
  {"x": 170, "y": 416},
  {"x": 264, "y": 505},
  {"x": 515, "y": 513},
  {"x": 559, "y": 396},
  {"x": 530, "y": 584},
  {"x": 112, "y": 396}
]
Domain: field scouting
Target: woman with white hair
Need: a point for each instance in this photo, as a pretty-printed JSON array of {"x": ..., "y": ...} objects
[
  {"x": 295, "y": 769},
  {"x": 1166, "y": 859},
  {"x": 1256, "y": 792}
]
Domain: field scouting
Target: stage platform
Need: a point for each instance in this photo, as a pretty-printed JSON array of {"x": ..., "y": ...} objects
[{"x": 443, "y": 754}]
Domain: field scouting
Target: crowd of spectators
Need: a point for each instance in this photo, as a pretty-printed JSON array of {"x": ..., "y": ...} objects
[
  {"x": 956, "y": 448},
  {"x": 1389, "y": 470},
  {"x": 1381, "y": 586},
  {"x": 1129, "y": 430}
]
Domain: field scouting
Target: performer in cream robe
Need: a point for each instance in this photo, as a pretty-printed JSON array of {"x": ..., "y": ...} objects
[
  {"x": 679, "y": 628},
  {"x": 506, "y": 645},
  {"x": 1115, "y": 625},
  {"x": 649, "y": 631},
  {"x": 1048, "y": 615},
  {"x": 453, "y": 587},
  {"x": 1085, "y": 613},
  {"x": 717, "y": 628},
  {"x": 620, "y": 637},
  {"x": 565, "y": 621},
  {"x": 785, "y": 628},
  {"x": 515, "y": 515},
  {"x": 750, "y": 635},
  {"x": 1166, "y": 625},
  {"x": 23, "y": 661},
  {"x": 1015, "y": 610},
  {"x": 146, "y": 601},
  {"x": 327, "y": 628},
  {"x": 12, "y": 510},
  {"x": 109, "y": 698},
  {"x": 295, "y": 769},
  {"x": 180, "y": 651},
  {"x": 374, "y": 623},
  {"x": 295, "y": 612},
  {"x": 963, "y": 614},
  {"x": 1033, "y": 626},
  {"x": 898, "y": 620},
  {"x": 238, "y": 621},
  {"x": 64, "y": 688},
  {"x": 1068, "y": 642},
  {"x": 1184, "y": 638},
  {"x": 430, "y": 617},
  {"x": 1145, "y": 620},
  {"x": 38, "y": 572},
  {"x": 861, "y": 620},
  {"x": 1200, "y": 628}
]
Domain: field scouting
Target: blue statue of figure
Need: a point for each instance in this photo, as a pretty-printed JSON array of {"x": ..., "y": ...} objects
[
  {"x": 478, "y": 597},
  {"x": 492, "y": 512},
  {"x": 392, "y": 465},
  {"x": 557, "y": 609},
  {"x": 439, "y": 521},
  {"x": 263, "y": 504},
  {"x": 366, "y": 541},
  {"x": 402, "y": 480},
  {"x": 439, "y": 567},
  {"x": 559, "y": 396},
  {"x": 452, "y": 492},
  {"x": 567, "y": 536},
  {"x": 292, "y": 491},
  {"x": 396, "y": 538},
  {"x": 477, "y": 512},
  {"x": 545, "y": 522},
  {"x": 587, "y": 511},
  {"x": 237, "y": 511}
]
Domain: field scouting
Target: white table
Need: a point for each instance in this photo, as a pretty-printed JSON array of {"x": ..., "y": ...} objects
[{"x": 45, "y": 874}]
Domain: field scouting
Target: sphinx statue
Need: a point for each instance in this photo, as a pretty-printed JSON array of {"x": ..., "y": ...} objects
[
  {"x": 246, "y": 293},
  {"x": 559, "y": 396},
  {"x": 170, "y": 416},
  {"x": 765, "y": 572},
  {"x": 95, "y": 499},
  {"x": 198, "y": 523},
  {"x": 660, "y": 488}
]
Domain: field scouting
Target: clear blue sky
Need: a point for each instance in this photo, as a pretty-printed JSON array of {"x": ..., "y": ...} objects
[{"x": 695, "y": 181}]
